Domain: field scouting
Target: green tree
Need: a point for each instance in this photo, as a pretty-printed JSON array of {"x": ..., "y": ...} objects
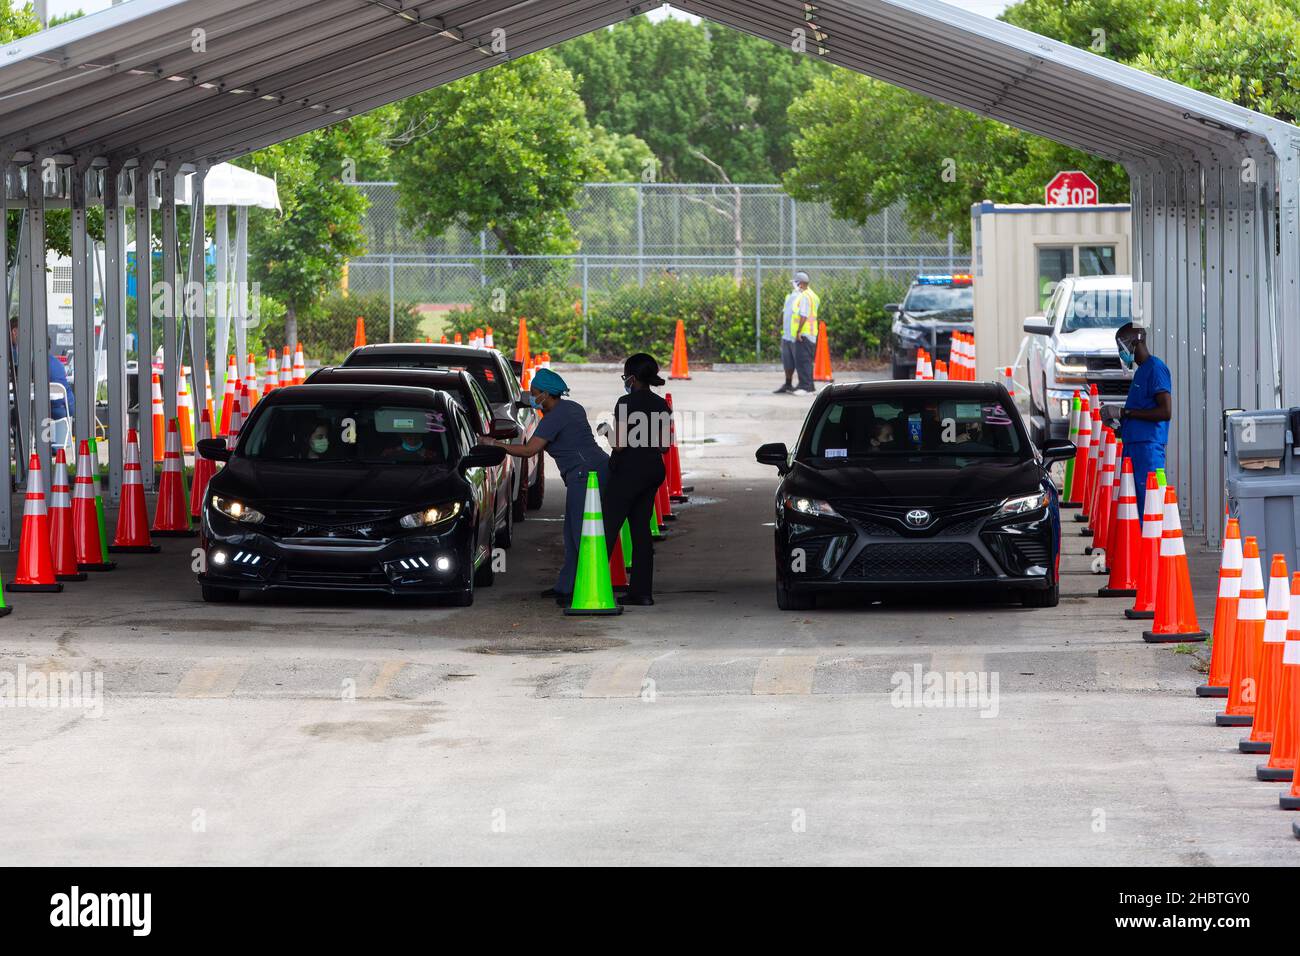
[{"x": 505, "y": 150}]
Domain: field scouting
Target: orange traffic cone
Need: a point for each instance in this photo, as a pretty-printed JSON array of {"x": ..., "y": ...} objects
[
  {"x": 663, "y": 501},
  {"x": 941, "y": 371},
  {"x": 183, "y": 410},
  {"x": 1099, "y": 503},
  {"x": 1153, "y": 519},
  {"x": 85, "y": 516},
  {"x": 204, "y": 469},
  {"x": 522, "y": 351},
  {"x": 171, "y": 517},
  {"x": 1175, "y": 620},
  {"x": 35, "y": 562},
  {"x": 675, "y": 490},
  {"x": 299, "y": 366},
  {"x": 359, "y": 339},
  {"x": 1084, "y": 427},
  {"x": 1122, "y": 556},
  {"x": 617, "y": 568},
  {"x": 822, "y": 361},
  {"x": 681, "y": 368},
  {"x": 458, "y": 340},
  {"x": 1225, "y": 615},
  {"x": 272, "y": 377},
  {"x": 236, "y": 426},
  {"x": 228, "y": 396},
  {"x": 489, "y": 342},
  {"x": 1240, "y": 710},
  {"x": 207, "y": 390},
  {"x": 1269, "y": 670},
  {"x": 250, "y": 379},
  {"x": 159, "y": 428},
  {"x": 63, "y": 549},
  {"x": 1096, "y": 449},
  {"x": 132, "y": 535},
  {"x": 443, "y": 340},
  {"x": 286, "y": 368},
  {"x": 1286, "y": 733},
  {"x": 475, "y": 342}
]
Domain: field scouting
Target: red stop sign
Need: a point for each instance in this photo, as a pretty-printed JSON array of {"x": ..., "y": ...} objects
[{"x": 1072, "y": 188}]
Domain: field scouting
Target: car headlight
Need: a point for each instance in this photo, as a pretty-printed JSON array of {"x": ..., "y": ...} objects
[
  {"x": 1022, "y": 505},
  {"x": 810, "y": 506},
  {"x": 237, "y": 510},
  {"x": 431, "y": 516},
  {"x": 1067, "y": 371}
]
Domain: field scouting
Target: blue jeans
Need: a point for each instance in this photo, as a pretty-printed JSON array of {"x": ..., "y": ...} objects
[
  {"x": 575, "y": 497},
  {"x": 1146, "y": 456}
]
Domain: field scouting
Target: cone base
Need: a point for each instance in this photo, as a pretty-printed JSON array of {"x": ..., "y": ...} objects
[
  {"x": 1273, "y": 774},
  {"x": 1287, "y": 802},
  {"x": 686, "y": 490},
  {"x": 668, "y": 517},
  {"x": 1085, "y": 533},
  {"x": 1209, "y": 690},
  {"x": 4, "y": 611},
  {"x": 133, "y": 549},
  {"x": 1116, "y": 592},
  {"x": 679, "y": 378},
  {"x": 36, "y": 588},
  {"x": 1151, "y": 637},
  {"x": 71, "y": 577},
  {"x": 583, "y": 612},
  {"x": 1295, "y": 829},
  {"x": 1081, "y": 518},
  {"x": 1233, "y": 720},
  {"x": 1255, "y": 746},
  {"x": 98, "y": 566},
  {"x": 1071, "y": 505},
  {"x": 173, "y": 534},
  {"x": 679, "y": 499},
  {"x": 1133, "y": 615}
]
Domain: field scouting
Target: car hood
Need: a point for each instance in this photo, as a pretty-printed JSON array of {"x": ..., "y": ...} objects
[
  {"x": 347, "y": 486},
  {"x": 964, "y": 321},
  {"x": 1088, "y": 341},
  {"x": 919, "y": 480}
]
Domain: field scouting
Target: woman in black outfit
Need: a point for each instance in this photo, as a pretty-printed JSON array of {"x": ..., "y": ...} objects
[{"x": 639, "y": 438}]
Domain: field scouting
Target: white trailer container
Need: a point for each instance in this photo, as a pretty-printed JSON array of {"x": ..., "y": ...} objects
[{"x": 1018, "y": 255}]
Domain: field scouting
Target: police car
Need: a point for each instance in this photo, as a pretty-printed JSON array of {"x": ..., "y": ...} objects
[{"x": 935, "y": 307}]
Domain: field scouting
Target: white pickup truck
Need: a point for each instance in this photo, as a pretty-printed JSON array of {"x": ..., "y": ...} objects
[{"x": 1071, "y": 346}]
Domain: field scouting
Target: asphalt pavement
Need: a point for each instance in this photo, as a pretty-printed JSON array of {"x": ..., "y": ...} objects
[{"x": 709, "y": 728}]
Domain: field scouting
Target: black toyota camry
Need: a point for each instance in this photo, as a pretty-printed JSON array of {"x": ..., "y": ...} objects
[
  {"x": 350, "y": 487},
  {"x": 898, "y": 485}
]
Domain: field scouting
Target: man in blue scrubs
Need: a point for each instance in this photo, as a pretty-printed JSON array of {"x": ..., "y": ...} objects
[{"x": 1144, "y": 419}]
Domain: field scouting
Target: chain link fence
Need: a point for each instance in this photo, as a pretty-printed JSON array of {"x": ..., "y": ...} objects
[{"x": 720, "y": 258}]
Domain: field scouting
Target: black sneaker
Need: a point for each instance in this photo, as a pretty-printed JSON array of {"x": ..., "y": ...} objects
[
  {"x": 784, "y": 390},
  {"x": 636, "y": 600}
]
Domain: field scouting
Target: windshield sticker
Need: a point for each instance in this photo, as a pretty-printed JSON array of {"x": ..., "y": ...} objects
[
  {"x": 837, "y": 453},
  {"x": 967, "y": 411},
  {"x": 914, "y": 428},
  {"x": 836, "y": 414},
  {"x": 996, "y": 415}
]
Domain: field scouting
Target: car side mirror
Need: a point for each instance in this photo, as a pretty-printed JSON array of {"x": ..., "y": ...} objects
[
  {"x": 1058, "y": 449},
  {"x": 483, "y": 456},
  {"x": 1039, "y": 325},
  {"x": 894, "y": 308},
  {"x": 503, "y": 429},
  {"x": 213, "y": 449},
  {"x": 775, "y": 454}
]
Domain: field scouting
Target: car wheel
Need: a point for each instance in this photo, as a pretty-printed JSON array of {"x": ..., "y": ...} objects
[
  {"x": 538, "y": 491},
  {"x": 463, "y": 598},
  {"x": 789, "y": 599},
  {"x": 486, "y": 575},
  {"x": 505, "y": 535},
  {"x": 896, "y": 371},
  {"x": 215, "y": 595},
  {"x": 1049, "y": 597}
]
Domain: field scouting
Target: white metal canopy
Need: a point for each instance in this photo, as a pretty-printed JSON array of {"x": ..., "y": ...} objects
[{"x": 154, "y": 85}]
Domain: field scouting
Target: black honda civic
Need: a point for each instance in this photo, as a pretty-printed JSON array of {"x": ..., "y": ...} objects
[
  {"x": 350, "y": 487},
  {"x": 898, "y": 485}
]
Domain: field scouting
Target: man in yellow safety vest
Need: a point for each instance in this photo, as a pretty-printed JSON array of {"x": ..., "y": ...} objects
[{"x": 799, "y": 336}]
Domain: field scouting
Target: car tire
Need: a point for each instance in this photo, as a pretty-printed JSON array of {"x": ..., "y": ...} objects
[
  {"x": 1046, "y": 597},
  {"x": 216, "y": 595},
  {"x": 538, "y": 491},
  {"x": 896, "y": 371},
  {"x": 790, "y": 599},
  {"x": 505, "y": 535},
  {"x": 462, "y": 598},
  {"x": 486, "y": 575}
]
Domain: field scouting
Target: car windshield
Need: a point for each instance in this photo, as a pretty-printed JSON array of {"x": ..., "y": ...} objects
[
  {"x": 351, "y": 433},
  {"x": 1097, "y": 309},
  {"x": 484, "y": 370},
  {"x": 903, "y": 425},
  {"x": 939, "y": 298}
]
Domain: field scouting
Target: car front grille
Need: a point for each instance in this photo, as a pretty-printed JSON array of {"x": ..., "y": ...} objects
[
  {"x": 1033, "y": 551},
  {"x": 918, "y": 562},
  {"x": 293, "y": 573},
  {"x": 882, "y": 520}
]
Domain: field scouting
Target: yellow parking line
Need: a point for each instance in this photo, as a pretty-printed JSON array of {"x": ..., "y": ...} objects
[
  {"x": 785, "y": 675},
  {"x": 379, "y": 686},
  {"x": 217, "y": 678},
  {"x": 621, "y": 679}
]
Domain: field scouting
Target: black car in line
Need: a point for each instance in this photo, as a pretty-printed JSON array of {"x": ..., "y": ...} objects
[
  {"x": 462, "y": 387},
  {"x": 897, "y": 485},
  {"x": 350, "y": 488},
  {"x": 935, "y": 306},
  {"x": 499, "y": 379}
]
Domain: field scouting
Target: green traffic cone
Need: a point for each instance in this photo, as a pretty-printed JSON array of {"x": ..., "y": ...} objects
[
  {"x": 656, "y": 529},
  {"x": 1074, "y": 438},
  {"x": 99, "y": 501},
  {"x": 625, "y": 541},
  {"x": 593, "y": 592},
  {"x": 4, "y": 608},
  {"x": 1160, "y": 477}
]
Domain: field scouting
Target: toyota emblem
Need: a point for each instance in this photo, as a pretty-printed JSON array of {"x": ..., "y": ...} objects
[{"x": 918, "y": 518}]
